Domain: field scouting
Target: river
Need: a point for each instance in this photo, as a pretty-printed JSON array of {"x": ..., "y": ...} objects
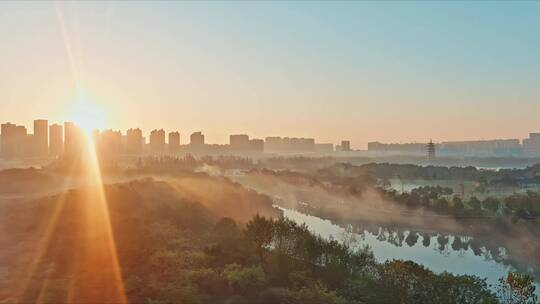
[{"x": 438, "y": 255}]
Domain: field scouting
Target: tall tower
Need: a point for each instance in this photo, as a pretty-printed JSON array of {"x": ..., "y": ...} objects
[
  {"x": 56, "y": 141},
  {"x": 8, "y": 142},
  {"x": 174, "y": 142},
  {"x": 157, "y": 141},
  {"x": 430, "y": 147},
  {"x": 196, "y": 139},
  {"x": 41, "y": 137},
  {"x": 134, "y": 141}
]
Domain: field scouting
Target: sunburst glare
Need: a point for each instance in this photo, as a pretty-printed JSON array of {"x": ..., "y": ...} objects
[{"x": 87, "y": 114}]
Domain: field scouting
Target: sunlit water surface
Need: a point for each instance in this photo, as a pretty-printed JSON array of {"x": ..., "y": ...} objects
[{"x": 462, "y": 262}]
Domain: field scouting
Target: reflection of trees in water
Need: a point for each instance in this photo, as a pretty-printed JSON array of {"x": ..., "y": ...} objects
[
  {"x": 442, "y": 241},
  {"x": 460, "y": 244},
  {"x": 445, "y": 244},
  {"x": 412, "y": 238},
  {"x": 426, "y": 239},
  {"x": 349, "y": 237}
]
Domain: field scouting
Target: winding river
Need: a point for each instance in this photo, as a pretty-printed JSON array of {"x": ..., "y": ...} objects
[{"x": 438, "y": 253}]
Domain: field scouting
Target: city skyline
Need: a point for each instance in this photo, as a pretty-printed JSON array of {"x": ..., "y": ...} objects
[
  {"x": 70, "y": 139},
  {"x": 38, "y": 123},
  {"x": 57, "y": 140},
  {"x": 367, "y": 71},
  {"x": 220, "y": 152}
]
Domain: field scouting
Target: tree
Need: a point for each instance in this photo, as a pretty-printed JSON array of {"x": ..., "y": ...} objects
[
  {"x": 517, "y": 288},
  {"x": 475, "y": 205},
  {"x": 318, "y": 294},
  {"x": 244, "y": 279},
  {"x": 259, "y": 232},
  {"x": 276, "y": 295},
  {"x": 457, "y": 206},
  {"x": 411, "y": 238},
  {"x": 441, "y": 205},
  {"x": 491, "y": 204},
  {"x": 463, "y": 289}
]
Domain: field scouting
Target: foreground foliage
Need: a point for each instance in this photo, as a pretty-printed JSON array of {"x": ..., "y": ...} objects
[{"x": 173, "y": 249}]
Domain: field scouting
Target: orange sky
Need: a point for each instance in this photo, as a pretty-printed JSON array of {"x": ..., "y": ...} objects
[{"x": 358, "y": 71}]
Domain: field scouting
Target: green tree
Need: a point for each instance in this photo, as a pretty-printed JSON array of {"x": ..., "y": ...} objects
[
  {"x": 457, "y": 206},
  {"x": 318, "y": 294},
  {"x": 244, "y": 279},
  {"x": 260, "y": 231},
  {"x": 491, "y": 204},
  {"x": 475, "y": 204},
  {"x": 517, "y": 288}
]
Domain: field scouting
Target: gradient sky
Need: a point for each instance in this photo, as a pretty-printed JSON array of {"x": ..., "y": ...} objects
[{"x": 364, "y": 71}]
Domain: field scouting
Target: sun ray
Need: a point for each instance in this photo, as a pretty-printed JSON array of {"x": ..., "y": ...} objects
[
  {"x": 44, "y": 239},
  {"x": 96, "y": 220},
  {"x": 98, "y": 214}
]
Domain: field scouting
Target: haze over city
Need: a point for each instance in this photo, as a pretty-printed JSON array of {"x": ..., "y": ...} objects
[
  {"x": 270, "y": 152},
  {"x": 389, "y": 72}
]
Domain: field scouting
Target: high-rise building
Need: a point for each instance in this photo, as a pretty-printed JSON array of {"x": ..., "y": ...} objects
[
  {"x": 324, "y": 148},
  {"x": 287, "y": 145},
  {"x": 196, "y": 139},
  {"x": 256, "y": 146},
  {"x": 110, "y": 143},
  {"x": 157, "y": 141},
  {"x": 406, "y": 148},
  {"x": 174, "y": 142},
  {"x": 345, "y": 146},
  {"x": 8, "y": 143},
  {"x": 41, "y": 137},
  {"x": 15, "y": 141},
  {"x": 239, "y": 142},
  {"x": 56, "y": 142},
  {"x": 274, "y": 144},
  {"x": 531, "y": 145},
  {"x": 494, "y": 147},
  {"x": 134, "y": 141},
  {"x": 73, "y": 139}
]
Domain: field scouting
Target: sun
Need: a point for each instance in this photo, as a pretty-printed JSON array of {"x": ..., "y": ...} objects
[{"x": 87, "y": 115}]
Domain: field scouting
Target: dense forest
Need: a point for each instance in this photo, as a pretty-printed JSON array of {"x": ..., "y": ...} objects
[
  {"x": 188, "y": 237},
  {"x": 173, "y": 250}
]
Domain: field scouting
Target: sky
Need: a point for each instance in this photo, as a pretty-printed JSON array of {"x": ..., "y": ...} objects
[{"x": 363, "y": 71}]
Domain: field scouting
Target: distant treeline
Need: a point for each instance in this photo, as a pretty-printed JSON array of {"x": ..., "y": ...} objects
[{"x": 386, "y": 171}]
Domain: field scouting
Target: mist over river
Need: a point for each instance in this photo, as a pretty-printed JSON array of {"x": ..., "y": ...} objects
[{"x": 437, "y": 253}]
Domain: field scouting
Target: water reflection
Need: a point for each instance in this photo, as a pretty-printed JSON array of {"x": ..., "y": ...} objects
[{"x": 438, "y": 252}]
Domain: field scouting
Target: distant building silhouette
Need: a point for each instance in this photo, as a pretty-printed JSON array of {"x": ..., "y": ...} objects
[
  {"x": 408, "y": 148},
  {"x": 196, "y": 139},
  {"x": 239, "y": 143},
  {"x": 345, "y": 146},
  {"x": 8, "y": 140},
  {"x": 324, "y": 148},
  {"x": 495, "y": 147},
  {"x": 289, "y": 145},
  {"x": 174, "y": 142},
  {"x": 15, "y": 141},
  {"x": 430, "y": 147},
  {"x": 72, "y": 139},
  {"x": 157, "y": 141},
  {"x": 134, "y": 141},
  {"x": 41, "y": 138},
  {"x": 531, "y": 145},
  {"x": 256, "y": 146},
  {"x": 56, "y": 142},
  {"x": 109, "y": 143},
  {"x": 12, "y": 140}
]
